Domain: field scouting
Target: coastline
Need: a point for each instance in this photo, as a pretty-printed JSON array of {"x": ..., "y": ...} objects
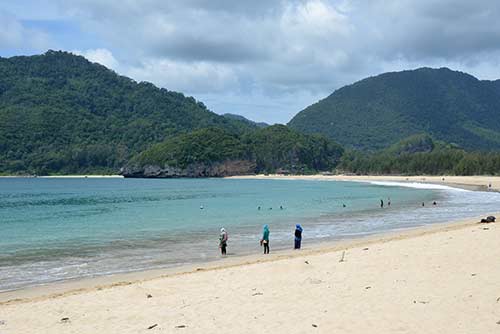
[
  {"x": 81, "y": 285},
  {"x": 397, "y": 282},
  {"x": 194, "y": 284},
  {"x": 475, "y": 182}
]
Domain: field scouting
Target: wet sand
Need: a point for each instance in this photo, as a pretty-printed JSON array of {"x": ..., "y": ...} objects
[
  {"x": 438, "y": 279},
  {"x": 434, "y": 279}
]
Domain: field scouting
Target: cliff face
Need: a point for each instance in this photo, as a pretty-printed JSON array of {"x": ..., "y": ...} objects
[{"x": 226, "y": 168}]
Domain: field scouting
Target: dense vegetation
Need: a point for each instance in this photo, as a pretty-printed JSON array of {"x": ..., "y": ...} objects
[
  {"x": 377, "y": 112},
  {"x": 59, "y": 113},
  {"x": 272, "y": 149},
  {"x": 246, "y": 120},
  {"x": 420, "y": 155}
]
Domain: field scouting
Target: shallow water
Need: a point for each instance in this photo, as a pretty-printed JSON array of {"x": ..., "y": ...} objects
[{"x": 56, "y": 229}]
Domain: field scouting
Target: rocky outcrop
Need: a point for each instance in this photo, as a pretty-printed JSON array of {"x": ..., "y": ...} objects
[{"x": 219, "y": 169}]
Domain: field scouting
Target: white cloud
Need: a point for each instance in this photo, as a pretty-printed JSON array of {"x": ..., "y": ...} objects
[
  {"x": 189, "y": 77},
  {"x": 101, "y": 56},
  {"x": 269, "y": 51},
  {"x": 13, "y": 34}
]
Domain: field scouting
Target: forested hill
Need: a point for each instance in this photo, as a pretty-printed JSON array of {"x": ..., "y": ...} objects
[
  {"x": 379, "y": 111},
  {"x": 60, "y": 113}
]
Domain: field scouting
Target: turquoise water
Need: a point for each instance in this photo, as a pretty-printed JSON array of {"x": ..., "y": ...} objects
[{"x": 57, "y": 229}]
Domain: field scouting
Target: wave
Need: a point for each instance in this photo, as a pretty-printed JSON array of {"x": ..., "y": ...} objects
[{"x": 417, "y": 185}]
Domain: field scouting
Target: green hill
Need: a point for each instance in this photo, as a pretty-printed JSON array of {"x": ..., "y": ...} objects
[
  {"x": 218, "y": 152},
  {"x": 377, "y": 112},
  {"x": 421, "y": 155},
  {"x": 60, "y": 113}
]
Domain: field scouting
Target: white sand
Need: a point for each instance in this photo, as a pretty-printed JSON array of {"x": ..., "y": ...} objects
[
  {"x": 437, "y": 279},
  {"x": 475, "y": 182},
  {"x": 433, "y": 280}
]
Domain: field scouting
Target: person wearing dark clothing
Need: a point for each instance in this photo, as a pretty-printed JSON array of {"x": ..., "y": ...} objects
[
  {"x": 298, "y": 236},
  {"x": 381, "y": 203}
]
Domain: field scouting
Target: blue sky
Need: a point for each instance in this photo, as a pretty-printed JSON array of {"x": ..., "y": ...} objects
[{"x": 263, "y": 59}]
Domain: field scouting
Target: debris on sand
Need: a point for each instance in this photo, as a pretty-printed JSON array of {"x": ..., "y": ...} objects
[
  {"x": 149, "y": 296},
  {"x": 65, "y": 319},
  {"x": 314, "y": 325},
  {"x": 257, "y": 294},
  {"x": 152, "y": 326},
  {"x": 306, "y": 262},
  {"x": 342, "y": 258},
  {"x": 180, "y": 326}
]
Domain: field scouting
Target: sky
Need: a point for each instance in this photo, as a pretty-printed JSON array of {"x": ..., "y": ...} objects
[{"x": 263, "y": 59}]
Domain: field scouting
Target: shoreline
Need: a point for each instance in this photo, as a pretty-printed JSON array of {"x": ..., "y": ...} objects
[
  {"x": 435, "y": 279},
  {"x": 474, "y": 182},
  {"x": 109, "y": 280},
  {"x": 98, "y": 283}
]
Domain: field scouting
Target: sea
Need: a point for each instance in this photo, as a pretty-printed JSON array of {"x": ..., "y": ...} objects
[{"x": 56, "y": 229}]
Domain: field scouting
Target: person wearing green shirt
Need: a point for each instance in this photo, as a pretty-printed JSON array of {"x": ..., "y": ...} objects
[{"x": 265, "y": 239}]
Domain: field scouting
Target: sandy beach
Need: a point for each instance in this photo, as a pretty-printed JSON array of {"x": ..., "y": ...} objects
[
  {"x": 436, "y": 279},
  {"x": 467, "y": 182}
]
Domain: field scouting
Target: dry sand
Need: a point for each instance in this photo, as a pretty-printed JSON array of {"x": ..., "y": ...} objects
[
  {"x": 438, "y": 279},
  {"x": 432, "y": 280}
]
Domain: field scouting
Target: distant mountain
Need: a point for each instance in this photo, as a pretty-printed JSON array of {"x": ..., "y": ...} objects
[
  {"x": 60, "y": 113},
  {"x": 246, "y": 120},
  {"x": 377, "y": 112}
]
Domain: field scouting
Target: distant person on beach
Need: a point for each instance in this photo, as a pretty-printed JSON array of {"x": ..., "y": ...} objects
[
  {"x": 265, "y": 239},
  {"x": 381, "y": 203},
  {"x": 298, "y": 236},
  {"x": 223, "y": 241},
  {"x": 388, "y": 202},
  {"x": 423, "y": 203},
  {"x": 434, "y": 203}
]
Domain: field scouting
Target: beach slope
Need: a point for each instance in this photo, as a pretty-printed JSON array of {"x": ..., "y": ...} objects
[{"x": 439, "y": 280}]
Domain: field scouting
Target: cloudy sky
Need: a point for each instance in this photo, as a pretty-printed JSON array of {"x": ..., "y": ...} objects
[{"x": 263, "y": 59}]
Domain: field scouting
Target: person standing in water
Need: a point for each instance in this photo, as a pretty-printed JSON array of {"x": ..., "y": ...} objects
[
  {"x": 223, "y": 241},
  {"x": 388, "y": 202},
  {"x": 265, "y": 239},
  {"x": 381, "y": 203},
  {"x": 298, "y": 236}
]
